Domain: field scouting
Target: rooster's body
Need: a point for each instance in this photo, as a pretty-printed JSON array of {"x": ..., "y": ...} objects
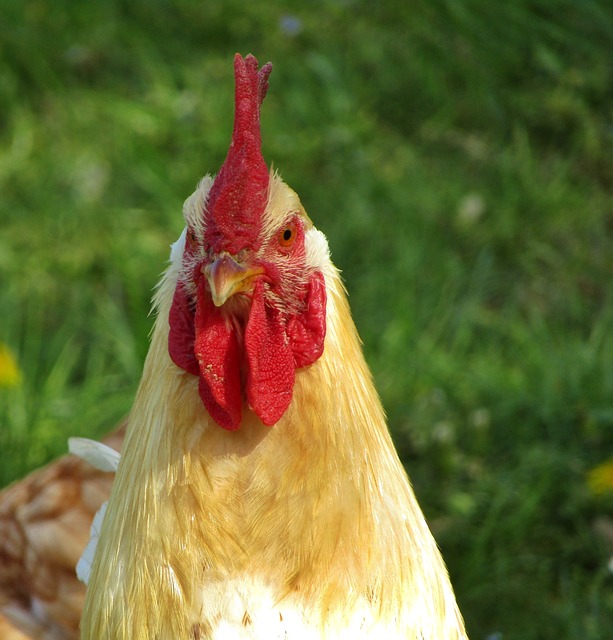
[{"x": 220, "y": 526}]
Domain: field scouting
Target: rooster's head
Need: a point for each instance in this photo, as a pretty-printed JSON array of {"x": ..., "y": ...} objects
[{"x": 250, "y": 304}]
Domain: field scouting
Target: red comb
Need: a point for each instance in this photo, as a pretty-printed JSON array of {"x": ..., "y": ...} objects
[{"x": 240, "y": 190}]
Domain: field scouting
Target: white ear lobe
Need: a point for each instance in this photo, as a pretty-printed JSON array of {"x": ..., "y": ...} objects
[
  {"x": 177, "y": 248},
  {"x": 317, "y": 251}
]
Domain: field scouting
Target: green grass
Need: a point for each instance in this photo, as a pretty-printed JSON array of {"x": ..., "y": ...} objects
[{"x": 458, "y": 157}]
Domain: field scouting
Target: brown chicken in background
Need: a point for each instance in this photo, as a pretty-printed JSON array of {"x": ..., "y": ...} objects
[{"x": 44, "y": 526}]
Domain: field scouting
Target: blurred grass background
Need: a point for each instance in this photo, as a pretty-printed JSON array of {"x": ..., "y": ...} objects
[{"x": 458, "y": 155}]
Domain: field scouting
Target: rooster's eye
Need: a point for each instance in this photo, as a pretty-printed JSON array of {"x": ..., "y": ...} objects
[{"x": 287, "y": 235}]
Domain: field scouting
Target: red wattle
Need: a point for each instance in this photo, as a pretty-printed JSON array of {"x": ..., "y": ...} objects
[
  {"x": 181, "y": 334},
  {"x": 270, "y": 377},
  {"x": 217, "y": 352},
  {"x": 205, "y": 344},
  {"x": 307, "y": 331}
]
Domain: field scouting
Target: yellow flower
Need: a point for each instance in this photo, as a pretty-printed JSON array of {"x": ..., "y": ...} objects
[
  {"x": 10, "y": 374},
  {"x": 600, "y": 478}
]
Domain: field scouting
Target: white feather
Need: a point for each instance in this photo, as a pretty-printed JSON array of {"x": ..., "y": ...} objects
[
  {"x": 103, "y": 458},
  {"x": 84, "y": 565},
  {"x": 247, "y": 610},
  {"x": 97, "y": 454}
]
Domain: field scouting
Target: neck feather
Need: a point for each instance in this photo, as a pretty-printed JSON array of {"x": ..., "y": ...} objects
[{"x": 317, "y": 506}]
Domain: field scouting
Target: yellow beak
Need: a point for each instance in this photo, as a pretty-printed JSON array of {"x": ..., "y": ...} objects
[{"x": 226, "y": 277}]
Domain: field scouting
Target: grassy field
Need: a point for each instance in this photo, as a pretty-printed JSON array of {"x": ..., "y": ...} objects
[{"x": 458, "y": 155}]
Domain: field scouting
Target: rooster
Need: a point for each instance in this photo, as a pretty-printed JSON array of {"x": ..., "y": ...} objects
[{"x": 259, "y": 494}]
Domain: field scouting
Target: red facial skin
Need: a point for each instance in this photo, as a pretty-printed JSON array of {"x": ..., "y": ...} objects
[{"x": 246, "y": 352}]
